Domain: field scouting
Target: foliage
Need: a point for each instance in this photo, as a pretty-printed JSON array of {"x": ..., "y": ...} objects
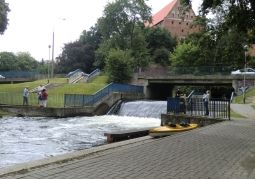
[
  {"x": 161, "y": 56},
  {"x": 44, "y": 68},
  {"x": 185, "y": 55},
  {"x": 118, "y": 66},
  {"x": 217, "y": 47},
  {"x": 161, "y": 43},
  {"x": 121, "y": 27},
  {"x": 8, "y": 62},
  {"x": 22, "y": 61},
  {"x": 240, "y": 14},
  {"x": 26, "y": 62},
  {"x": 139, "y": 50},
  {"x": 76, "y": 55},
  {"x": 92, "y": 37},
  {"x": 4, "y": 10}
]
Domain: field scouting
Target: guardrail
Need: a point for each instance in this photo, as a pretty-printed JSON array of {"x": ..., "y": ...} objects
[
  {"x": 10, "y": 98},
  {"x": 196, "y": 71},
  {"x": 19, "y": 74},
  {"x": 73, "y": 100},
  {"x": 218, "y": 108}
]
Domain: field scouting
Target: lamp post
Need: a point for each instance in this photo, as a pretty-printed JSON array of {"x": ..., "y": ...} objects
[
  {"x": 49, "y": 66},
  {"x": 244, "y": 86},
  {"x": 52, "y": 65}
]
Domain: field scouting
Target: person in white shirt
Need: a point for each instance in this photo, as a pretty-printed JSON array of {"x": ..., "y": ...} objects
[
  {"x": 39, "y": 91},
  {"x": 206, "y": 101},
  {"x": 25, "y": 96}
]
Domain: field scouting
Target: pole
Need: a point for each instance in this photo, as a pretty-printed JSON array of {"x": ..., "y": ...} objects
[
  {"x": 52, "y": 66},
  {"x": 52, "y": 62},
  {"x": 49, "y": 66},
  {"x": 244, "y": 76}
]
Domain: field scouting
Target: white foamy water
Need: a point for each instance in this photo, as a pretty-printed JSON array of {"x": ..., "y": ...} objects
[{"x": 24, "y": 139}]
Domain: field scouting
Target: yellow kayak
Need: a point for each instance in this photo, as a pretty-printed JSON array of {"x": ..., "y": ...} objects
[{"x": 168, "y": 130}]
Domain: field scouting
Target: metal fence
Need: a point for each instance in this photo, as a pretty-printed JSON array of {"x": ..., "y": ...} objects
[
  {"x": 19, "y": 74},
  {"x": 196, "y": 71},
  {"x": 218, "y": 108},
  {"x": 88, "y": 100},
  {"x": 10, "y": 98}
]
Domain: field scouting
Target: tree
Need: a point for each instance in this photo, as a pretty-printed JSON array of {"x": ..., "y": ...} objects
[
  {"x": 120, "y": 26},
  {"x": 160, "y": 43},
  {"x": 216, "y": 46},
  {"x": 4, "y": 9},
  {"x": 92, "y": 37},
  {"x": 8, "y": 62},
  {"x": 76, "y": 55},
  {"x": 25, "y": 62},
  {"x": 186, "y": 55},
  {"x": 118, "y": 66},
  {"x": 22, "y": 61},
  {"x": 240, "y": 14}
]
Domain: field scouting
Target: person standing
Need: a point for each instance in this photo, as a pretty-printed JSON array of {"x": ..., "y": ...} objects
[
  {"x": 25, "y": 96},
  {"x": 206, "y": 98},
  {"x": 178, "y": 92},
  {"x": 39, "y": 91},
  {"x": 40, "y": 88},
  {"x": 44, "y": 97}
]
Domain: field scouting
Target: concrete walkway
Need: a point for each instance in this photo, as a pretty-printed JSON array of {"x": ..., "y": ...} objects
[
  {"x": 243, "y": 109},
  {"x": 223, "y": 150}
]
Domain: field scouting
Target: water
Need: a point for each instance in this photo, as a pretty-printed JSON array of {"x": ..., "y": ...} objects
[{"x": 24, "y": 139}]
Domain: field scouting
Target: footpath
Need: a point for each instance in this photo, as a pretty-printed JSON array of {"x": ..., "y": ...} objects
[{"x": 225, "y": 150}]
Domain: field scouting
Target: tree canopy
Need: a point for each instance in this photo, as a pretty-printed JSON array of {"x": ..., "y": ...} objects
[
  {"x": 22, "y": 61},
  {"x": 4, "y": 9}
]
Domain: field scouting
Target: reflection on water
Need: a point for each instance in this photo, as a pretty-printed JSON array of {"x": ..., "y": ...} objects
[{"x": 23, "y": 139}]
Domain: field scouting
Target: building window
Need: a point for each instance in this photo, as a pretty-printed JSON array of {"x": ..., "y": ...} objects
[
  {"x": 180, "y": 23},
  {"x": 173, "y": 14},
  {"x": 177, "y": 15},
  {"x": 182, "y": 30},
  {"x": 187, "y": 23},
  {"x": 187, "y": 16},
  {"x": 191, "y": 17},
  {"x": 172, "y": 22}
]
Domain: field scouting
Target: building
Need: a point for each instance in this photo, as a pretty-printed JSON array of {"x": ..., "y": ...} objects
[{"x": 171, "y": 18}]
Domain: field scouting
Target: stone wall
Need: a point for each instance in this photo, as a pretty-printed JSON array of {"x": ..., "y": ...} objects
[{"x": 177, "y": 119}]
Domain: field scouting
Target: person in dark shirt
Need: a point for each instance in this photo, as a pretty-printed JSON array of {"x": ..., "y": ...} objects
[{"x": 178, "y": 92}]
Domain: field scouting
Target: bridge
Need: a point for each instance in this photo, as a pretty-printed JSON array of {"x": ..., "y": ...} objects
[{"x": 159, "y": 83}]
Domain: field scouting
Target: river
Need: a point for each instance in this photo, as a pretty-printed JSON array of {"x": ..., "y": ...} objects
[{"x": 24, "y": 139}]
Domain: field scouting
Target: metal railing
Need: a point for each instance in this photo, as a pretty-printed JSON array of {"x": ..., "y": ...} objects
[
  {"x": 73, "y": 100},
  {"x": 19, "y": 74},
  {"x": 196, "y": 71},
  {"x": 218, "y": 108},
  {"x": 10, "y": 98}
]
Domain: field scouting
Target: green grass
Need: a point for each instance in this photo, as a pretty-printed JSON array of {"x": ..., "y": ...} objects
[
  {"x": 248, "y": 97},
  {"x": 82, "y": 88},
  {"x": 236, "y": 115},
  {"x": 12, "y": 93},
  {"x": 19, "y": 87}
]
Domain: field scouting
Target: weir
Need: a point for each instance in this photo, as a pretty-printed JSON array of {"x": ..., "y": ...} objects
[{"x": 147, "y": 109}]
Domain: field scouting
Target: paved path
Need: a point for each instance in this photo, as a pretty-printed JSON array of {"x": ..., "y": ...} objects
[
  {"x": 243, "y": 109},
  {"x": 222, "y": 150}
]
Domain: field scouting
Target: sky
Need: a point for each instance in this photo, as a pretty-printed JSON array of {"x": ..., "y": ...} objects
[{"x": 33, "y": 22}]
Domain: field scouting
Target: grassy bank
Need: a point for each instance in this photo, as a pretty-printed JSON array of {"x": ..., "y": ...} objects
[{"x": 12, "y": 93}]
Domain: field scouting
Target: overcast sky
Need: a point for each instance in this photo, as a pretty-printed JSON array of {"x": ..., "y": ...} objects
[{"x": 32, "y": 22}]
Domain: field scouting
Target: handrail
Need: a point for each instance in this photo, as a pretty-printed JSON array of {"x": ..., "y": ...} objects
[{"x": 89, "y": 100}]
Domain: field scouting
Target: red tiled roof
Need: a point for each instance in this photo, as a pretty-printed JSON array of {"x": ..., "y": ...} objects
[{"x": 159, "y": 16}]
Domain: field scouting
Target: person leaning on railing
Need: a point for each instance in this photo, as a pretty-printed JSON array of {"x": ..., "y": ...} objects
[
  {"x": 25, "y": 96},
  {"x": 206, "y": 101}
]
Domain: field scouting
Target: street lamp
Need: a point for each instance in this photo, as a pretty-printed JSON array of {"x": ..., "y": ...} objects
[
  {"x": 244, "y": 86},
  {"x": 49, "y": 66},
  {"x": 52, "y": 66}
]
